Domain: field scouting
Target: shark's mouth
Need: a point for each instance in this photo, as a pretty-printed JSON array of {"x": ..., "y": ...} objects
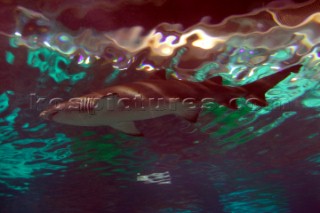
[{"x": 51, "y": 115}]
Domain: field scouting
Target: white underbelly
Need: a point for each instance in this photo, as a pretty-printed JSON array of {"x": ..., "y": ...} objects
[{"x": 137, "y": 114}]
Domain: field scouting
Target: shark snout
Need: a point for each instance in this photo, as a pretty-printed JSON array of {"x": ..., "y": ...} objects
[{"x": 48, "y": 114}]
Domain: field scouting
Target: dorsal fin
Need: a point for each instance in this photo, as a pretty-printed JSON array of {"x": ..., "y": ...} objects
[
  {"x": 127, "y": 127},
  {"x": 216, "y": 79}
]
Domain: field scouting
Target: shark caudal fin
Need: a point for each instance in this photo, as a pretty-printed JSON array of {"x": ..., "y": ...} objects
[{"x": 256, "y": 90}]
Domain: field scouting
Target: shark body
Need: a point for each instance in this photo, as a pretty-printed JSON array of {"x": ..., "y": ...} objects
[{"x": 119, "y": 106}]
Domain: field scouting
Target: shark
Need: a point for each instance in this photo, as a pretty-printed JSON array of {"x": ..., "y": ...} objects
[{"x": 120, "y": 106}]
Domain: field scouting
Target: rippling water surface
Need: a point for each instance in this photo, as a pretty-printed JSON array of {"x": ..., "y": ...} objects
[{"x": 252, "y": 159}]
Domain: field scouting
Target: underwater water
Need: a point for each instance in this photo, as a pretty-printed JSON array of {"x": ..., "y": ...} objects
[{"x": 253, "y": 159}]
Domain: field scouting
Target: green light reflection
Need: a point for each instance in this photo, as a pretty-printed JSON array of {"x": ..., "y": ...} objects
[{"x": 9, "y": 57}]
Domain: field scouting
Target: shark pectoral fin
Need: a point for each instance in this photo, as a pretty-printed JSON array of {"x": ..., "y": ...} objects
[
  {"x": 127, "y": 127},
  {"x": 190, "y": 115}
]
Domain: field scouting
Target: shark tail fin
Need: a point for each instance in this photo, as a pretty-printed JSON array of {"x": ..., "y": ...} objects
[{"x": 255, "y": 91}]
